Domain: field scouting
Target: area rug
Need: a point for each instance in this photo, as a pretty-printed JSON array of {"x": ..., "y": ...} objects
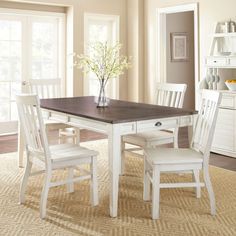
[{"x": 71, "y": 214}]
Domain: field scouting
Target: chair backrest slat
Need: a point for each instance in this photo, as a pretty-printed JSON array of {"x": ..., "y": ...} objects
[
  {"x": 33, "y": 126},
  {"x": 172, "y": 95},
  {"x": 173, "y": 99},
  {"x": 45, "y": 88},
  {"x": 206, "y": 121}
]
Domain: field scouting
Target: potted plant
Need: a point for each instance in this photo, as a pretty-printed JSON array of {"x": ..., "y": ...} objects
[{"x": 106, "y": 63}]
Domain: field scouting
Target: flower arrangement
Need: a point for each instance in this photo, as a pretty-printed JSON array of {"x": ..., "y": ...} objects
[{"x": 105, "y": 62}]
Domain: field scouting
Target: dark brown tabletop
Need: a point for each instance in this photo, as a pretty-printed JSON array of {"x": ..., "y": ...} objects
[{"x": 117, "y": 112}]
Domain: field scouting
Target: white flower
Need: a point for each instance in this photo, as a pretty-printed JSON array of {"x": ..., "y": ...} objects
[{"x": 103, "y": 60}]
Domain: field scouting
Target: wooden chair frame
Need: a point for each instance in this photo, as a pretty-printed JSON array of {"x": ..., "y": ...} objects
[
  {"x": 167, "y": 94},
  {"x": 51, "y": 88},
  {"x": 174, "y": 159},
  {"x": 59, "y": 156}
]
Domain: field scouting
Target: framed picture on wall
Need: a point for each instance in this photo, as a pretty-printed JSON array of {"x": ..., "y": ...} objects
[{"x": 179, "y": 47}]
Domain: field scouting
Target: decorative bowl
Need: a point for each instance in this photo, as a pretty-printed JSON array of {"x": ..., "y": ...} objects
[{"x": 231, "y": 85}]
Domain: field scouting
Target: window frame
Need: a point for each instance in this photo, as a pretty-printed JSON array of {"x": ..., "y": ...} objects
[
  {"x": 26, "y": 17},
  {"x": 115, "y": 21},
  {"x": 61, "y": 42}
]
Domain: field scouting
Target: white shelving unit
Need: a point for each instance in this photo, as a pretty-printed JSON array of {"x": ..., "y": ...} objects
[{"x": 225, "y": 134}]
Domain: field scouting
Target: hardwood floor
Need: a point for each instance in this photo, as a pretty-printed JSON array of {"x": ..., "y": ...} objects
[{"x": 9, "y": 144}]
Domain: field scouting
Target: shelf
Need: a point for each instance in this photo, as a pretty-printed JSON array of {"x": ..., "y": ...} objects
[
  {"x": 227, "y": 91},
  {"x": 222, "y": 35},
  {"x": 221, "y": 62},
  {"x": 222, "y": 56}
]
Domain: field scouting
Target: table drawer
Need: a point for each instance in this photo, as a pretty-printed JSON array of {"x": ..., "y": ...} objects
[
  {"x": 128, "y": 128},
  {"x": 213, "y": 61},
  {"x": 88, "y": 124},
  {"x": 143, "y": 126},
  {"x": 58, "y": 117}
]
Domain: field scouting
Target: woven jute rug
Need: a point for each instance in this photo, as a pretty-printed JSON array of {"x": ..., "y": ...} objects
[{"x": 71, "y": 214}]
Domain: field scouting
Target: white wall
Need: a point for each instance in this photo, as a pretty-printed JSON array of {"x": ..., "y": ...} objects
[{"x": 181, "y": 72}]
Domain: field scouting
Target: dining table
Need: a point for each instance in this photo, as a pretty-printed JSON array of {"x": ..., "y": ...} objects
[{"x": 117, "y": 119}]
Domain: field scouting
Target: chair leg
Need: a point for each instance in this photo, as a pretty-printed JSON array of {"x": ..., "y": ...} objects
[
  {"x": 146, "y": 182},
  {"x": 25, "y": 180},
  {"x": 122, "y": 157},
  {"x": 60, "y": 137},
  {"x": 48, "y": 132},
  {"x": 70, "y": 186},
  {"x": 44, "y": 195},
  {"x": 21, "y": 146},
  {"x": 77, "y": 136},
  {"x": 156, "y": 193},
  {"x": 94, "y": 182},
  {"x": 196, "y": 178},
  {"x": 210, "y": 190},
  {"x": 176, "y": 140}
]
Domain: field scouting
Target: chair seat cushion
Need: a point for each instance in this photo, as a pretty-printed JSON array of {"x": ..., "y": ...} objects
[
  {"x": 172, "y": 156},
  {"x": 68, "y": 152},
  {"x": 143, "y": 138}
]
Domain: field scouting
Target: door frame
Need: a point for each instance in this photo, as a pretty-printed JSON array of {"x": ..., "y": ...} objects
[{"x": 161, "y": 41}]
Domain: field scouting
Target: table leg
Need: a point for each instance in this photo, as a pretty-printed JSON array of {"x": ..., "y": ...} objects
[
  {"x": 77, "y": 138},
  {"x": 114, "y": 144},
  {"x": 190, "y": 134},
  {"x": 191, "y": 128},
  {"x": 20, "y": 146}
]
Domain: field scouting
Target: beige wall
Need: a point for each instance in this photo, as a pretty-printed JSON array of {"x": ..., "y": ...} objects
[
  {"x": 133, "y": 88},
  {"x": 110, "y": 7},
  {"x": 181, "y": 72},
  {"x": 135, "y": 45},
  {"x": 75, "y": 24},
  {"x": 210, "y": 11},
  {"x": 34, "y": 7}
]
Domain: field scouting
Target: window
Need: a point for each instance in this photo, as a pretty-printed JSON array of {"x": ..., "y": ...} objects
[
  {"x": 31, "y": 46},
  {"x": 44, "y": 49},
  {"x": 103, "y": 28}
]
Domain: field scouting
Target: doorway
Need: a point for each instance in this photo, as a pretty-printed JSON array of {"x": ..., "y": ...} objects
[{"x": 177, "y": 51}]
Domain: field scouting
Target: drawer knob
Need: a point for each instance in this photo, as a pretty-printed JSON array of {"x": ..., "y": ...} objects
[{"x": 158, "y": 124}]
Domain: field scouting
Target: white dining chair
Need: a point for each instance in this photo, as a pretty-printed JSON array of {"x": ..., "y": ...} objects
[
  {"x": 51, "y": 88},
  {"x": 167, "y": 94},
  {"x": 54, "y": 157},
  {"x": 194, "y": 159}
]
